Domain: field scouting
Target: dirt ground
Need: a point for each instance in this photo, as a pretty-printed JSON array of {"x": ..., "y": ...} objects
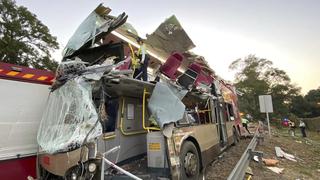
[
  {"x": 224, "y": 164},
  {"x": 222, "y": 167},
  {"x": 306, "y": 151}
]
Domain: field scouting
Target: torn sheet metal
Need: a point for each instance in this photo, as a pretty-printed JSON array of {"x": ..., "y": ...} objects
[
  {"x": 170, "y": 37},
  {"x": 130, "y": 30},
  {"x": 168, "y": 129},
  {"x": 281, "y": 153},
  {"x": 92, "y": 29},
  {"x": 178, "y": 91},
  {"x": 71, "y": 69},
  {"x": 68, "y": 118},
  {"x": 165, "y": 105}
]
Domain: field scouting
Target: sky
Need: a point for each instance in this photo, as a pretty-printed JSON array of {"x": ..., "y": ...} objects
[{"x": 283, "y": 31}]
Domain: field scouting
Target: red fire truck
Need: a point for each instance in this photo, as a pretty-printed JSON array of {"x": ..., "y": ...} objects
[{"x": 23, "y": 95}]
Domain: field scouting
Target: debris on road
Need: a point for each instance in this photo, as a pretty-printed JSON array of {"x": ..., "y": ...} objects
[
  {"x": 256, "y": 158},
  {"x": 270, "y": 162},
  {"x": 282, "y": 154},
  {"x": 307, "y": 157},
  {"x": 276, "y": 169}
]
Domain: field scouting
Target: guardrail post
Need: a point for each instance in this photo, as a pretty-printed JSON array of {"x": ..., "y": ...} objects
[
  {"x": 256, "y": 153},
  {"x": 260, "y": 139}
]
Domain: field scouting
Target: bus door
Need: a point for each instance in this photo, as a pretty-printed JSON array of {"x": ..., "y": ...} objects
[{"x": 220, "y": 122}]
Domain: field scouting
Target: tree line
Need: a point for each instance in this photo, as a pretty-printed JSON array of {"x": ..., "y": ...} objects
[
  {"x": 257, "y": 76},
  {"x": 24, "y": 39}
]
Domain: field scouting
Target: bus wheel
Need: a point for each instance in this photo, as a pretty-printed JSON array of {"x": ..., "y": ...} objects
[
  {"x": 236, "y": 138},
  {"x": 190, "y": 163}
]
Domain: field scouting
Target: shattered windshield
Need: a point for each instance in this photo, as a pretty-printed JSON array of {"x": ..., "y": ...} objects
[{"x": 69, "y": 117}]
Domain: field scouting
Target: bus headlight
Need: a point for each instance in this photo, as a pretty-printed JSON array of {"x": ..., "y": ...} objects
[
  {"x": 74, "y": 176},
  {"x": 92, "y": 167}
]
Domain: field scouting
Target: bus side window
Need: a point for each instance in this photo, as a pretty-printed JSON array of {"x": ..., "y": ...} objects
[
  {"x": 215, "y": 112},
  {"x": 112, "y": 106},
  {"x": 130, "y": 111},
  {"x": 204, "y": 113},
  {"x": 132, "y": 115},
  {"x": 230, "y": 112}
]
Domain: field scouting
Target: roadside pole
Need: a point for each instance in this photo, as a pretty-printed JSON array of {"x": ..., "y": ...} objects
[
  {"x": 268, "y": 124},
  {"x": 265, "y": 102}
]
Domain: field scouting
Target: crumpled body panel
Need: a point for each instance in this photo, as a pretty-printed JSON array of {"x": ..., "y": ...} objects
[
  {"x": 165, "y": 104},
  {"x": 68, "y": 118}
]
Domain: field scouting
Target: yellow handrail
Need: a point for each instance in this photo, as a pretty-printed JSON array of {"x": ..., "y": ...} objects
[
  {"x": 134, "y": 61},
  {"x": 143, "y": 113},
  {"x": 108, "y": 137},
  {"x": 121, "y": 124},
  {"x": 207, "y": 110}
]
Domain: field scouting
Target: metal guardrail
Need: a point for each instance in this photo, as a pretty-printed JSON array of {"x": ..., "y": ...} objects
[{"x": 239, "y": 170}]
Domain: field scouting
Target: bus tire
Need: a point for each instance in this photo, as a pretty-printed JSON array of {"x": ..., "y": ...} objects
[{"x": 190, "y": 161}]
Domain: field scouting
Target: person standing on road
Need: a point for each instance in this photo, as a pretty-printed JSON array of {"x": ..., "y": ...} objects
[
  {"x": 302, "y": 127},
  {"x": 245, "y": 124},
  {"x": 292, "y": 128}
]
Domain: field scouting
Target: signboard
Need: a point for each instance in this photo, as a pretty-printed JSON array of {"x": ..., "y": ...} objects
[{"x": 265, "y": 102}]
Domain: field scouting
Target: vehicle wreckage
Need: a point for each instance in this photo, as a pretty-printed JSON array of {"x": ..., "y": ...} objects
[{"x": 118, "y": 97}]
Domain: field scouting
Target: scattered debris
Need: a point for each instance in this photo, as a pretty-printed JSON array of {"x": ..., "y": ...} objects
[
  {"x": 256, "y": 158},
  {"x": 281, "y": 153},
  {"x": 221, "y": 155},
  {"x": 276, "y": 169},
  {"x": 270, "y": 162},
  {"x": 307, "y": 157},
  {"x": 308, "y": 142}
]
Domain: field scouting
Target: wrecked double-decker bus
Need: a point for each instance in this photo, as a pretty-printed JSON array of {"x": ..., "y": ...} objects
[{"x": 126, "y": 106}]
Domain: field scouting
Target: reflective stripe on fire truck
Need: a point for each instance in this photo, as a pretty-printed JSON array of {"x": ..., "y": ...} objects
[
  {"x": 12, "y": 73},
  {"x": 26, "y": 74}
]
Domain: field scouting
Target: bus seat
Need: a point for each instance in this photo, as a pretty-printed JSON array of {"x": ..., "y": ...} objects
[
  {"x": 195, "y": 67},
  {"x": 202, "y": 78},
  {"x": 170, "y": 67},
  {"x": 126, "y": 65}
]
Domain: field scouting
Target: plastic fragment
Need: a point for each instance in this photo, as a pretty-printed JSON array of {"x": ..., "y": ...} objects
[
  {"x": 276, "y": 169},
  {"x": 256, "y": 158},
  {"x": 270, "y": 162}
]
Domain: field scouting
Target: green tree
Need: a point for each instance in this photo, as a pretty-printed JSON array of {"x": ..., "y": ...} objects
[
  {"x": 24, "y": 40},
  {"x": 256, "y": 76},
  {"x": 313, "y": 99},
  {"x": 300, "y": 107},
  {"x": 307, "y": 106}
]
